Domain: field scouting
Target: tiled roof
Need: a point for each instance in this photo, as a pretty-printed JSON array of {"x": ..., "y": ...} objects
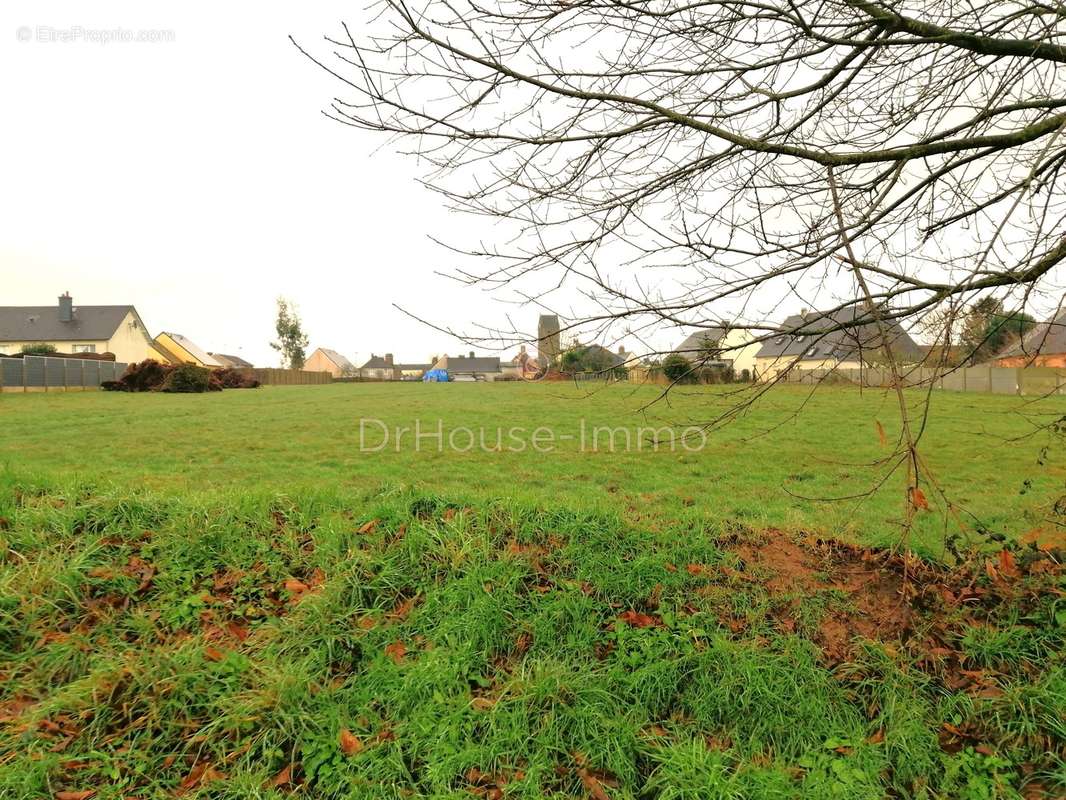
[
  {"x": 818, "y": 331},
  {"x": 234, "y": 361},
  {"x": 338, "y": 359},
  {"x": 193, "y": 349},
  {"x": 475, "y": 364},
  {"x": 695, "y": 342},
  {"x": 42, "y": 323},
  {"x": 1046, "y": 337}
]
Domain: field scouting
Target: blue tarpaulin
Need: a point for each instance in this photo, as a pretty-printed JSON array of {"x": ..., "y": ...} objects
[{"x": 435, "y": 376}]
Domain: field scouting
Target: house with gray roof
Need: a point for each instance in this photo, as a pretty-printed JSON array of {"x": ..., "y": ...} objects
[
  {"x": 326, "y": 360},
  {"x": 721, "y": 345},
  {"x": 470, "y": 367},
  {"x": 233, "y": 362},
  {"x": 1044, "y": 345},
  {"x": 69, "y": 328},
  {"x": 841, "y": 339},
  {"x": 386, "y": 368}
]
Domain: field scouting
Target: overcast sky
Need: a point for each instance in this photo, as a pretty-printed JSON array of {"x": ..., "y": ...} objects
[{"x": 197, "y": 180}]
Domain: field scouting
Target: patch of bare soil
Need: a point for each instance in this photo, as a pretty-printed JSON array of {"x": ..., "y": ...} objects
[{"x": 885, "y": 596}]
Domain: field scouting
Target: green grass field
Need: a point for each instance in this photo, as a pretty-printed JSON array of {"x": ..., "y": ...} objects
[
  {"x": 219, "y": 596},
  {"x": 756, "y": 471}
]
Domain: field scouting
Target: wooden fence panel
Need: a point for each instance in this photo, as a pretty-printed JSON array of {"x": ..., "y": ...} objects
[{"x": 269, "y": 376}]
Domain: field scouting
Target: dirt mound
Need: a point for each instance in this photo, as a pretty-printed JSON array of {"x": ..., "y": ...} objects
[
  {"x": 874, "y": 603},
  {"x": 878, "y": 594}
]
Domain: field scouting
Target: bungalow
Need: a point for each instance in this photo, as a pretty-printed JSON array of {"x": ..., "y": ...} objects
[
  {"x": 470, "y": 367},
  {"x": 82, "y": 329},
  {"x": 233, "y": 362},
  {"x": 814, "y": 340},
  {"x": 177, "y": 349},
  {"x": 721, "y": 345},
  {"x": 326, "y": 360},
  {"x": 1044, "y": 345}
]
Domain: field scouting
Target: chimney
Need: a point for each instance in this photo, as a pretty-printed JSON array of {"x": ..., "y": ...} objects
[
  {"x": 471, "y": 353},
  {"x": 388, "y": 359},
  {"x": 66, "y": 307},
  {"x": 621, "y": 350}
]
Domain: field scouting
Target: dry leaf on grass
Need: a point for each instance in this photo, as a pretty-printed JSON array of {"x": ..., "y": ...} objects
[
  {"x": 283, "y": 778},
  {"x": 638, "y": 620},
  {"x": 592, "y": 784},
  {"x": 296, "y": 587},
  {"x": 350, "y": 743}
]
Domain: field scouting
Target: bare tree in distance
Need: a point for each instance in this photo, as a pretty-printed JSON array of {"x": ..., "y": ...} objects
[{"x": 681, "y": 164}]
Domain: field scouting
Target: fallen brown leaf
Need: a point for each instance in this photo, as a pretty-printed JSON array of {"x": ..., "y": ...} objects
[
  {"x": 296, "y": 587},
  {"x": 85, "y": 794},
  {"x": 636, "y": 619},
  {"x": 592, "y": 784},
  {"x": 396, "y": 651},
  {"x": 199, "y": 775},
  {"x": 350, "y": 743},
  {"x": 213, "y": 654},
  {"x": 283, "y": 778}
]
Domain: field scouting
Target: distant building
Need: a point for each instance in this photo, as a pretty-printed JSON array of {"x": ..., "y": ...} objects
[
  {"x": 178, "y": 349},
  {"x": 233, "y": 362},
  {"x": 81, "y": 329},
  {"x": 1044, "y": 345},
  {"x": 818, "y": 342},
  {"x": 326, "y": 360},
  {"x": 411, "y": 372},
  {"x": 721, "y": 345},
  {"x": 549, "y": 346},
  {"x": 596, "y": 356},
  {"x": 380, "y": 368},
  {"x": 385, "y": 368},
  {"x": 470, "y": 367},
  {"x": 523, "y": 365}
]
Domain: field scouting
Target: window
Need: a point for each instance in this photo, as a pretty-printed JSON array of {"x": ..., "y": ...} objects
[
  {"x": 812, "y": 351},
  {"x": 83, "y": 348}
]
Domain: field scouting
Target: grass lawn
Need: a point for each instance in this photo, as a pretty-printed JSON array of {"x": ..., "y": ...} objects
[
  {"x": 756, "y": 471},
  {"x": 218, "y": 596}
]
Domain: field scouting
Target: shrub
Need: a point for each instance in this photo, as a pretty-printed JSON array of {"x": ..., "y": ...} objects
[
  {"x": 714, "y": 375},
  {"x": 144, "y": 376},
  {"x": 677, "y": 368},
  {"x": 189, "y": 378},
  {"x": 152, "y": 376},
  {"x": 229, "y": 378},
  {"x": 38, "y": 349}
]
